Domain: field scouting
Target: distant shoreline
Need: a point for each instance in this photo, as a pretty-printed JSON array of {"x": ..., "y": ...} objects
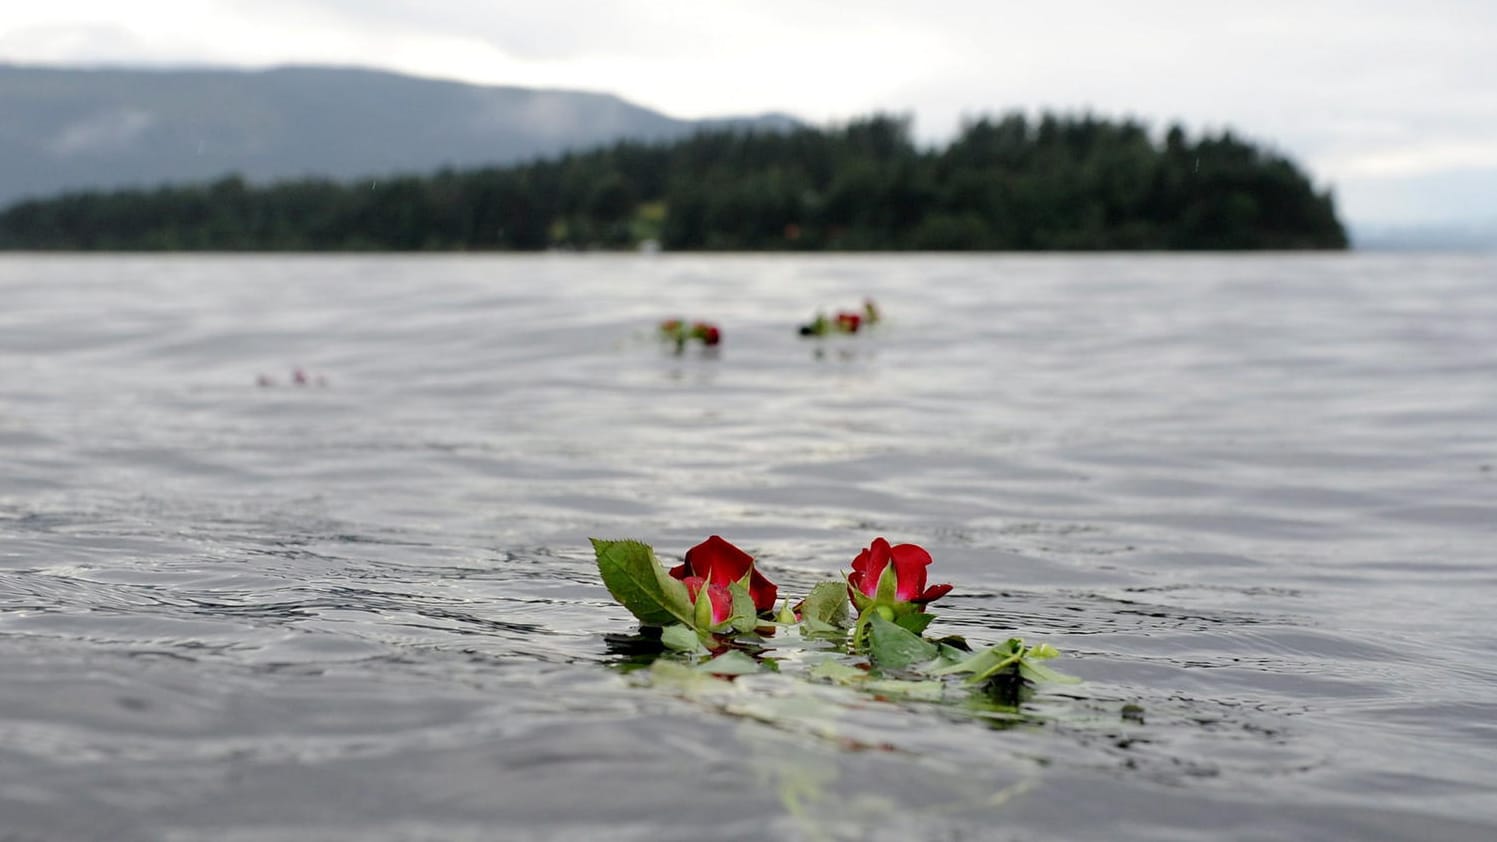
[{"x": 1070, "y": 184}]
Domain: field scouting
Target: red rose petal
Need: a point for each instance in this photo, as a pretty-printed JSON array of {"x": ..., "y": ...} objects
[
  {"x": 721, "y": 563},
  {"x": 910, "y": 562}
]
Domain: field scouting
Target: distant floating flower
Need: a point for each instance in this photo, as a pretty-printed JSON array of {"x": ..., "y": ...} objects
[
  {"x": 677, "y": 332},
  {"x": 845, "y": 321},
  {"x": 707, "y": 332}
]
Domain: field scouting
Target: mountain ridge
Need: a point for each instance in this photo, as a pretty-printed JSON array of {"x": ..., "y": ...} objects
[{"x": 73, "y": 129}]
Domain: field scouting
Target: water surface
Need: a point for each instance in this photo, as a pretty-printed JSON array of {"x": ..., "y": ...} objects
[{"x": 1253, "y": 496}]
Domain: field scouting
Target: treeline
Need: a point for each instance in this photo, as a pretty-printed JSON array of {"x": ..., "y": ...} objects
[{"x": 1057, "y": 182}]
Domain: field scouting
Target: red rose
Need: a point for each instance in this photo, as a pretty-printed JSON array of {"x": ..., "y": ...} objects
[
  {"x": 909, "y": 562},
  {"x": 718, "y": 595},
  {"x": 849, "y": 322},
  {"x": 720, "y": 563}
]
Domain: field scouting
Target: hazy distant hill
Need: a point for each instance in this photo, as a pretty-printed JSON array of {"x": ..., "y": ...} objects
[
  {"x": 67, "y": 129},
  {"x": 1476, "y": 236}
]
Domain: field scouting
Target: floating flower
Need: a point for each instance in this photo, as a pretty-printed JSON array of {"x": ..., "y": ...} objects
[
  {"x": 720, "y": 563},
  {"x": 679, "y": 332},
  {"x": 844, "y": 321},
  {"x": 906, "y": 563},
  {"x": 710, "y": 615}
]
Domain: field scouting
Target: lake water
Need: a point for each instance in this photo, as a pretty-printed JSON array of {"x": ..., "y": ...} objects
[{"x": 1255, "y": 497}]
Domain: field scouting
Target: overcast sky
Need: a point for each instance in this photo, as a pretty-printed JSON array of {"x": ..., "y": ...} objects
[{"x": 1393, "y": 104}]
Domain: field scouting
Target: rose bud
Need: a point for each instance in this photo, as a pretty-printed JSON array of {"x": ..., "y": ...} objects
[
  {"x": 718, "y": 597},
  {"x": 721, "y": 563}
]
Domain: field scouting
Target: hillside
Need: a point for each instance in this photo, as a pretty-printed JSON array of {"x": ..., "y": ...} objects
[{"x": 76, "y": 129}]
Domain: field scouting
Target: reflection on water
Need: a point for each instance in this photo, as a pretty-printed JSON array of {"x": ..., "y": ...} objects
[{"x": 1248, "y": 498}]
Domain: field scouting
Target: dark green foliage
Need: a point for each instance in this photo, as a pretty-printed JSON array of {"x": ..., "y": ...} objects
[{"x": 1076, "y": 183}]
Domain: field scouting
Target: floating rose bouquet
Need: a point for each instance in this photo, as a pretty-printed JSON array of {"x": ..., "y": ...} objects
[
  {"x": 716, "y": 610},
  {"x": 846, "y": 321}
]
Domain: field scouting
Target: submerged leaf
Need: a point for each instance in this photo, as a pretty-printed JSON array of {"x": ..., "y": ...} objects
[
  {"x": 731, "y": 662},
  {"x": 917, "y": 691},
  {"x": 839, "y": 673}
]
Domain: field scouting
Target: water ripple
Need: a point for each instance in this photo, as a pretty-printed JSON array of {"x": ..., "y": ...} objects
[{"x": 1247, "y": 497}]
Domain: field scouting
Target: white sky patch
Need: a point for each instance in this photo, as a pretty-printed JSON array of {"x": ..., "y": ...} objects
[
  {"x": 1419, "y": 159},
  {"x": 1357, "y": 90}
]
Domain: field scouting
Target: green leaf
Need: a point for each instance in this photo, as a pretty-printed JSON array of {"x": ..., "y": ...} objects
[
  {"x": 681, "y": 638},
  {"x": 949, "y": 654},
  {"x": 1039, "y": 673},
  {"x": 825, "y": 608},
  {"x": 955, "y": 642},
  {"x": 636, "y": 579},
  {"x": 731, "y": 662},
  {"x": 892, "y": 647},
  {"x": 914, "y": 623},
  {"x": 1010, "y": 656},
  {"x": 745, "y": 617},
  {"x": 987, "y": 663}
]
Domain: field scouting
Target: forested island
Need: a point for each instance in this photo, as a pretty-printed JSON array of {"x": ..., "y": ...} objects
[{"x": 1055, "y": 182}]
